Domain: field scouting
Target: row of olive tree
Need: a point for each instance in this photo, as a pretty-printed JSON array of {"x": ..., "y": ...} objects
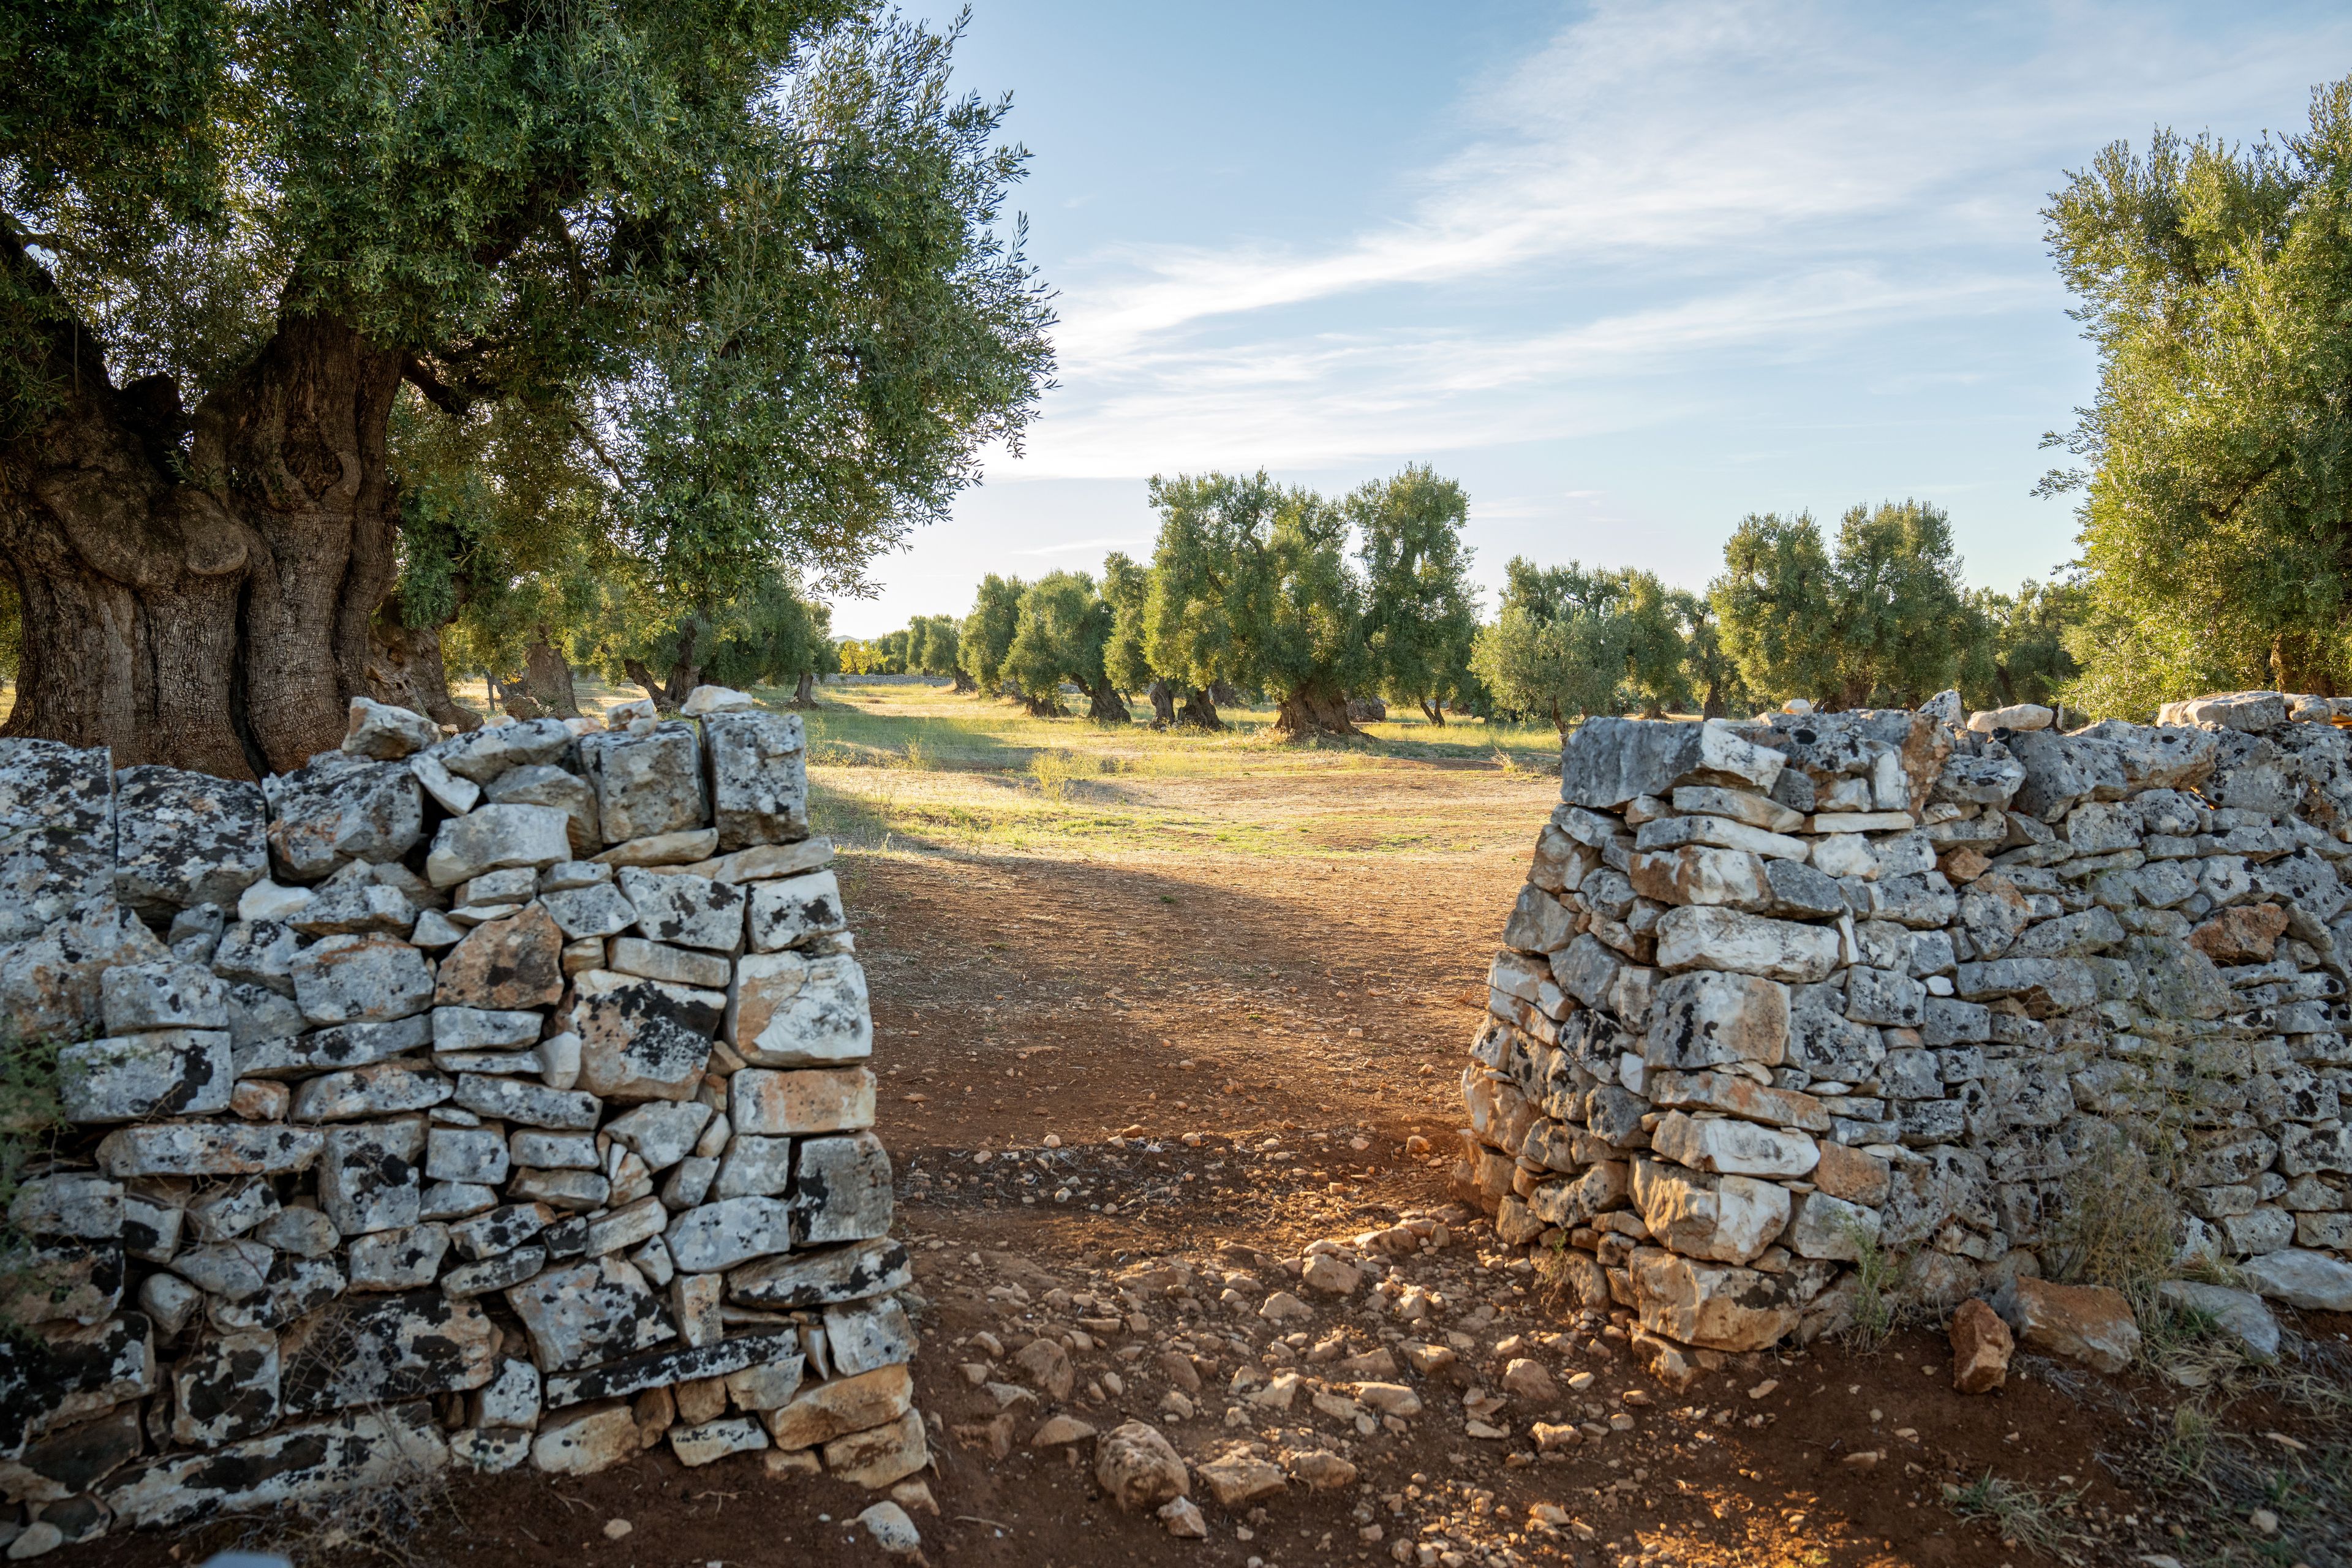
[
  {"x": 1879, "y": 615},
  {"x": 1252, "y": 587}
]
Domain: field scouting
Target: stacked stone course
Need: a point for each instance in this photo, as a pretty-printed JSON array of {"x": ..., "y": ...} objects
[
  {"x": 481, "y": 1101},
  {"x": 1779, "y": 991}
]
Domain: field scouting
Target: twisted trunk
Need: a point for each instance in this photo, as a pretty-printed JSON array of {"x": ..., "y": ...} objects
[
  {"x": 547, "y": 675},
  {"x": 406, "y": 670},
  {"x": 804, "y": 694},
  {"x": 1435, "y": 712},
  {"x": 964, "y": 684},
  {"x": 200, "y": 591},
  {"x": 1199, "y": 712},
  {"x": 1163, "y": 705},
  {"x": 1314, "y": 709},
  {"x": 1104, "y": 705}
]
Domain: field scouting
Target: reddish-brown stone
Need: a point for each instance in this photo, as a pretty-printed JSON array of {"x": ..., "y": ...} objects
[
  {"x": 1981, "y": 1345},
  {"x": 2246, "y": 934},
  {"x": 510, "y": 964}
]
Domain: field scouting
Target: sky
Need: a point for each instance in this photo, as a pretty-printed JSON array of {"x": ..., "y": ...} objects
[{"x": 1628, "y": 272}]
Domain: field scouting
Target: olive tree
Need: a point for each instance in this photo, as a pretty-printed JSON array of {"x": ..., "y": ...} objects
[
  {"x": 1421, "y": 610},
  {"x": 745, "y": 256}
]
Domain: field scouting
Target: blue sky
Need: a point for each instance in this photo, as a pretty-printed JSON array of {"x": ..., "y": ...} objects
[{"x": 1627, "y": 271}]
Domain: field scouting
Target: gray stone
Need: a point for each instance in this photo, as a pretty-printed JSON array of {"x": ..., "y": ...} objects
[
  {"x": 823, "y": 1278},
  {"x": 1734, "y": 1147},
  {"x": 2237, "y": 1313},
  {"x": 333, "y": 1049},
  {"x": 568, "y": 792},
  {"x": 373, "y": 977},
  {"x": 1884, "y": 996},
  {"x": 455, "y": 1200},
  {"x": 681, "y": 850},
  {"x": 793, "y": 910},
  {"x": 398, "y": 1260},
  {"x": 662, "y": 1133},
  {"x": 1609, "y": 760},
  {"x": 758, "y": 781},
  {"x": 867, "y": 1336},
  {"x": 224, "y": 1212},
  {"x": 54, "y": 1380},
  {"x": 813, "y": 1099},
  {"x": 208, "y": 1149},
  {"x": 2313, "y": 1281},
  {"x": 515, "y": 885},
  {"x": 592, "y": 1313},
  {"x": 340, "y": 808},
  {"x": 453, "y": 795},
  {"x": 494, "y": 836},
  {"x": 754, "y": 1167},
  {"x": 567, "y": 875},
  {"x": 295, "y": 1465},
  {"x": 669, "y": 1368},
  {"x": 232, "y": 1270},
  {"x": 2094, "y": 930},
  {"x": 49, "y": 985},
  {"x": 648, "y": 784},
  {"x": 387, "y": 733},
  {"x": 477, "y": 1155},
  {"x": 369, "y": 1176},
  {"x": 491, "y": 750},
  {"x": 762, "y": 861},
  {"x": 47, "y": 873},
  {"x": 355, "y": 908},
  {"x": 185, "y": 839},
  {"x": 785, "y": 1010},
  {"x": 388, "y": 1348},
  {"x": 505, "y": 964},
  {"x": 256, "y": 1015},
  {"x": 511, "y": 1398},
  {"x": 171, "y": 1302},
  {"x": 478, "y": 1028},
  {"x": 151, "y": 1222},
  {"x": 1700, "y": 937},
  {"x": 720, "y": 1236},
  {"x": 258, "y": 952},
  {"x": 531, "y": 1104},
  {"x": 126, "y": 1078},
  {"x": 226, "y": 1389},
  {"x": 503, "y": 1272},
  {"x": 678, "y": 965},
  {"x": 70, "y": 1206},
  {"x": 2044, "y": 984},
  {"x": 50, "y": 784},
  {"x": 686, "y": 910},
  {"x": 557, "y": 1151},
  {"x": 594, "y": 910},
  {"x": 842, "y": 1191},
  {"x": 304, "y": 1233},
  {"x": 1705, "y": 1018},
  {"x": 386, "y": 1089},
  {"x": 500, "y": 1230},
  {"x": 642, "y": 1039}
]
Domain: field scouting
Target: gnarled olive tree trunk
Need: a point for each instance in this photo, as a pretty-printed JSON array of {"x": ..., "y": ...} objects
[
  {"x": 212, "y": 612},
  {"x": 547, "y": 675},
  {"x": 1314, "y": 709}
]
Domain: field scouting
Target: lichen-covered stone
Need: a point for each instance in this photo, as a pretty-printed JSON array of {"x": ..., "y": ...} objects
[
  {"x": 642, "y": 1039},
  {"x": 684, "y": 909},
  {"x": 592, "y": 1313},
  {"x": 505, "y": 964},
  {"x": 759, "y": 791},
  {"x": 295, "y": 1465},
  {"x": 338, "y": 808},
  {"x": 647, "y": 783},
  {"x": 788, "y": 1010},
  {"x": 185, "y": 839},
  {"x": 371, "y": 978},
  {"x": 542, "y": 784}
]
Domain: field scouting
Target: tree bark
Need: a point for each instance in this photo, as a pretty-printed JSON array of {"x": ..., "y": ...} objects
[
  {"x": 964, "y": 684},
  {"x": 200, "y": 592},
  {"x": 663, "y": 701},
  {"x": 1199, "y": 712},
  {"x": 407, "y": 671},
  {"x": 547, "y": 675},
  {"x": 1314, "y": 709},
  {"x": 804, "y": 694},
  {"x": 1436, "y": 712},
  {"x": 1048, "y": 707},
  {"x": 1222, "y": 691},
  {"x": 1106, "y": 706},
  {"x": 1163, "y": 705}
]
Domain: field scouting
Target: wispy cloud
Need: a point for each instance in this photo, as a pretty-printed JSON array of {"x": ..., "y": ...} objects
[
  {"x": 1083, "y": 547},
  {"x": 1657, "y": 195}
]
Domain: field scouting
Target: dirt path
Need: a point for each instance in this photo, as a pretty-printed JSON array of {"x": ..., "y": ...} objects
[{"x": 1229, "y": 1054}]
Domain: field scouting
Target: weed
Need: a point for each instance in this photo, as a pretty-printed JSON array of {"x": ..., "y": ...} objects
[
  {"x": 2116, "y": 1222},
  {"x": 1055, "y": 772},
  {"x": 2018, "y": 1513},
  {"x": 31, "y": 1117},
  {"x": 1873, "y": 1317}
]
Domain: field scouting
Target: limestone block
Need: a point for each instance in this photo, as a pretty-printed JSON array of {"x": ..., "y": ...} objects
[
  {"x": 543, "y": 784},
  {"x": 788, "y": 1010},
  {"x": 593, "y": 1312},
  {"x": 398, "y": 1260},
  {"x": 126, "y": 1078},
  {"x": 185, "y": 839},
  {"x": 1694, "y": 874},
  {"x": 1823, "y": 1227},
  {"x": 823, "y": 1410},
  {"x": 505, "y": 964},
  {"x": 661, "y": 1133},
  {"x": 582, "y": 1442},
  {"x": 642, "y": 1039},
  {"x": 1721, "y": 833},
  {"x": 2313, "y": 1281},
  {"x": 373, "y": 977},
  {"x": 70, "y": 1204},
  {"x": 2088, "y": 1324},
  {"x": 678, "y": 965},
  {"x": 387, "y": 733},
  {"x": 368, "y": 1175},
  {"x": 1712, "y": 1305},
  {"x": 1734, "y": 1147},
  {"x": 597, "y": 909},
  {"x": 793, "y": 910},
  {"x": 338, "y": 808},
  {"x": 759, "y": 787},
  {"x": 491, "y": 837},
  {"x": 294, "y": 1465},
  {"x": 208, "y": 1149},
  {"x": 842, "y": 1191},
  {"x": 1609, "y": 760},
  {"x": 753, "y": 1166},
  {"x": 820, "y": 1278},
  {"x": 673, "y": 1364},
  {"x": 1722, "y": 939},
  {"x": 1736, "y": 1094},
  {"x": 762, "y": 862},
  {"x": 813, "y": 1100},
  {"x": 684, "y": 909},
  {"x": 646, "y": 783},
  {"x": 720, "y": 1236},
  {"x": 340, "y": 1048},
  {"x": 387, "y": 1089},
  {"x": 47, "y": 873},
  {"x": 1731, "y": 1219}
]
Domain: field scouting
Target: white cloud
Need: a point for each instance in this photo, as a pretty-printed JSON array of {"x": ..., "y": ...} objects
[{"x": 1655, "y": 196}]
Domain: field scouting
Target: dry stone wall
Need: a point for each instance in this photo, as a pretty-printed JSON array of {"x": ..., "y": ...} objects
[
  {"x": 492, "y": 1101},
  {"x": 1781, "y": 991}
]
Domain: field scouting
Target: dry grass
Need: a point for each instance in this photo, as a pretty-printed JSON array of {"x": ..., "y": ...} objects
[{"x": 2019, "y": 1514}]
